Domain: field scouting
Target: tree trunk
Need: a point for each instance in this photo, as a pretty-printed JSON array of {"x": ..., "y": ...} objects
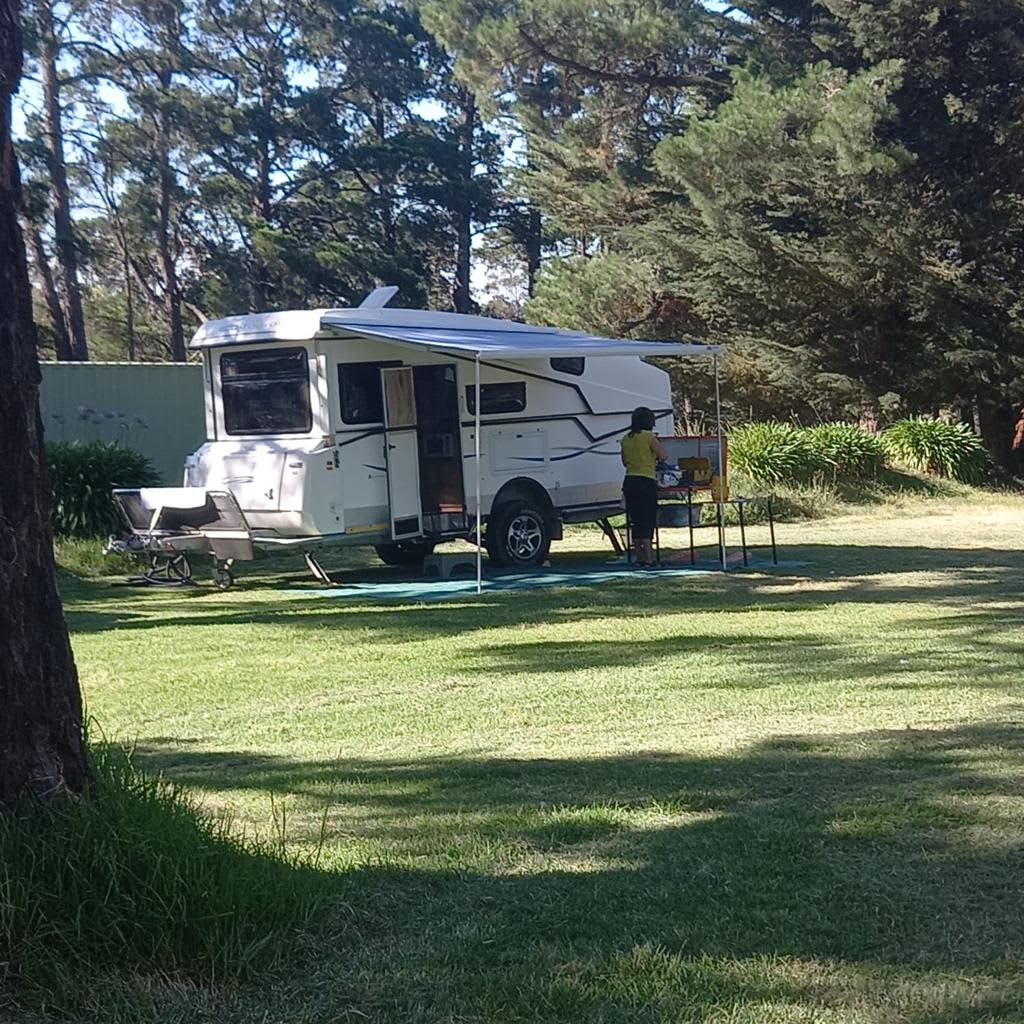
[
  {"x": 385, "y": 191},
  {"x": 129, "y": 299},
  {"x": 462, "y": 296},
  {"x": 64, "y": 233},
  {"x": 172, "y": 294},
  {"x": 261, "y": 212},
  {"x": 533, "y": 248},
  {"x": 62, "y": 343},
  {"x": 997, "y": 422},
  {"x": 41, "y": 746}
]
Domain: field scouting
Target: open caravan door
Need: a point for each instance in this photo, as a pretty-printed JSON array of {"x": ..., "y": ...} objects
[{"x": 401, "y": 447}]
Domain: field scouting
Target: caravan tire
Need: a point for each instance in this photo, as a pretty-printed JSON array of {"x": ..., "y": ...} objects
[
  {"x": 518, "y": 534},
  {"x": 404, "y": 552}
]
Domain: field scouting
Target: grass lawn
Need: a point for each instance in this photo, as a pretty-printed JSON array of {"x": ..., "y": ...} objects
[{"x": 782, "y": 796}]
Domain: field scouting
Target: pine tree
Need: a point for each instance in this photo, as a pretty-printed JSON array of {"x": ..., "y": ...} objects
[
  {"x": 136, "y": 154},
  {"x": 50, "y": 22}
]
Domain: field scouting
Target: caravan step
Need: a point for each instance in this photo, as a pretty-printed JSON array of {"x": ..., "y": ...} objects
[{"x": 445, "y": 565}]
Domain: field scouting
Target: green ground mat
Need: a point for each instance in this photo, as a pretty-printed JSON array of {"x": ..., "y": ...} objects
[{"x": 433, "y": 589}]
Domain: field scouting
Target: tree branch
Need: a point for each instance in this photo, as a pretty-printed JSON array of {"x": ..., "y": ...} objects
[{"x": 679, "y": 81}]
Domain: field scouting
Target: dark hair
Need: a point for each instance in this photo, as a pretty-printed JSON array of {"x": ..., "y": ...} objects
[{"x": 643, "y": 419}]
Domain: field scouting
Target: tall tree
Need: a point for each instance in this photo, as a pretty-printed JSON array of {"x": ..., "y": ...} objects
[
  {"x": 34, "y": 208},
  {"x": 592, "y": 91},
  {"x": 243, "y": 119},
  {"x": 41, "y": 748},
  {"x": 49, "y": 24},
  {"x": 143, "y": 54}
]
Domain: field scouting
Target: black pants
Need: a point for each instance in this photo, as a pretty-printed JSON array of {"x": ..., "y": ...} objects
[{"x": 641, "y": 494}]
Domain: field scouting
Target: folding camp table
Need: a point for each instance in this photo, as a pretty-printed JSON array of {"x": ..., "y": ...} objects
[{"x": 683, "y": 498}]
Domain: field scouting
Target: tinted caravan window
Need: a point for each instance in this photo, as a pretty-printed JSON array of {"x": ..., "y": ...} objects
[
  {"x": 359, "y": 387},
  {"x": 497, "y": 398},
  {"x": 574, "y": 365},
  {"x": 266, "y": 391}
]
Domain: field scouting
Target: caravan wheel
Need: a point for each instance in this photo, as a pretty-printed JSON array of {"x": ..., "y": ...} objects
[{"x": 519, "y": 533}]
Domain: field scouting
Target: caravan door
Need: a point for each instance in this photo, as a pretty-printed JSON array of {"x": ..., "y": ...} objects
[{"x": 401, "y": 446}]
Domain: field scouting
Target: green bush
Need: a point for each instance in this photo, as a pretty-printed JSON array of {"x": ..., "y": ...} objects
[
  {"x": 935, "y": 446},
  {"x": 851, "y": 453},
  {"x": 82, "y": 477},
  {"x": 135, "y": 879},
  {"x": 773, "y": 453}
]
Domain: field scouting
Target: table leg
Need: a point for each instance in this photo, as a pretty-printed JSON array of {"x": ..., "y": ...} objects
[
  {"x": 743, "y": 532},
  {"x": 689, "y": 521},
  {"x": 720, "y": 513}
]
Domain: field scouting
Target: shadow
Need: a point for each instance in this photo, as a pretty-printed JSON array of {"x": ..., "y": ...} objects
[
  {"x": 803, "y": 872},
  {"x": 990, "y": 581}
]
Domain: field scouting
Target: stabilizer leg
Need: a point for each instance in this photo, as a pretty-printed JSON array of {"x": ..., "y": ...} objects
[{"x": 318, "y": 571}]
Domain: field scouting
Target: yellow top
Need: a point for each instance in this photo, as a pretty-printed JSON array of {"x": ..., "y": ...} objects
[{"x": 638, "y": 454}]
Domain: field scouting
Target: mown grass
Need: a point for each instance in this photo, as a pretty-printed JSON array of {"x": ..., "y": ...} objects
[{"x": 770, "y": 796}]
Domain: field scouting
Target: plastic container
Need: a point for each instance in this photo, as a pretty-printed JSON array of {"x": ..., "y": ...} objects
[{"x": 676, "y": 515}]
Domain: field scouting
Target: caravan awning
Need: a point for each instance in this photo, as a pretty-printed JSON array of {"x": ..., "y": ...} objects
[{"x": 512, "y": 341}]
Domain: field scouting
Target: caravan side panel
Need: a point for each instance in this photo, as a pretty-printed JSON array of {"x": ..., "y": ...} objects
[{"x": 566, "y": 437}]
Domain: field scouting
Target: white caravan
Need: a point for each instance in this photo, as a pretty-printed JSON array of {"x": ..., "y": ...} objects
[{"x": 363, "y": 426}]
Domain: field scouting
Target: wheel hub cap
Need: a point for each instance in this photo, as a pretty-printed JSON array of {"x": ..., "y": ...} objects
[{"x": 524, "y": 536}]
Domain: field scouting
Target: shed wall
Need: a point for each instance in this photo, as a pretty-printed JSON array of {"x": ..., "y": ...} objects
[{"x": 155, "y": 408}]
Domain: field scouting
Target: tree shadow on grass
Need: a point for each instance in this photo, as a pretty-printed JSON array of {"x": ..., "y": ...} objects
[
  {"x": 986, "y": 578},
  {"x": 804, "y": 871}
]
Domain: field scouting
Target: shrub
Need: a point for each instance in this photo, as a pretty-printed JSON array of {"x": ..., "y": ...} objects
[
  {"x": 773, "y": 453},
  {"x": 935, "y": 446},
  {"x": 135, "y": 879},
  {"x": 851, "y": 453},
  {"x": 82, "y": 477}
]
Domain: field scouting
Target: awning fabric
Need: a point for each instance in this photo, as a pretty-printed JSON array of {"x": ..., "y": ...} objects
[{"x": 523, "y": 341}]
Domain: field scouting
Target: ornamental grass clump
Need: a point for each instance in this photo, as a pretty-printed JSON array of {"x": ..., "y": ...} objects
[
  {"x": 935, "y": 446},
  {"x": 82, "y": 477},
  {"x": 774, "y": 453},
  {"x": 850, "y": 452}
]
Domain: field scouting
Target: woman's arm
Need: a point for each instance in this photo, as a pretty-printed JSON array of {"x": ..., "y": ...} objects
[{"x": 659, "y": 449}]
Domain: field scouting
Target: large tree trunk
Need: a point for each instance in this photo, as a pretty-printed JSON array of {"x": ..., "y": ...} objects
[
  {"x": 64, "y": 233},
  {"x": 41, "y": 747},
  {"x": 462, "y": 295}
]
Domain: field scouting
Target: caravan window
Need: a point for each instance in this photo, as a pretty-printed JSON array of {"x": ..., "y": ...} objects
[
  {"x": 569, "y": 364},
  {"x": 359, "y": 387},
  {"x": 497, "y": 398},
  {"x": 266, "y": 391}
]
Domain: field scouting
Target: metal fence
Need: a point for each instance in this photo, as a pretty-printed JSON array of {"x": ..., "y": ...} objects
[{"x": 155, "y": 408}]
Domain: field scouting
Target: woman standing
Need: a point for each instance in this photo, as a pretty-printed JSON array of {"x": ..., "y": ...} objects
[{"x": 640, "y": 452}]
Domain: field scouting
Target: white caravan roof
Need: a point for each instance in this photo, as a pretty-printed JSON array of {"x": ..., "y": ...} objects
[{"x": 456, "y": 333}]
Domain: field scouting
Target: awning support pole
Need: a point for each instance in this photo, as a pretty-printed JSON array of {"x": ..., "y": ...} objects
[
  {"x": 721, "y": 465},
  {"x": 476, "y": 451}
]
